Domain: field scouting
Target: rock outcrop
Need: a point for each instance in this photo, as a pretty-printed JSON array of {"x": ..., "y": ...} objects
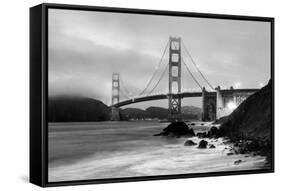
[
  {"x": 213, "y": 132},
  {"x": 202, "y": 144},
  {"x": 189, "y": 143},
  {"x": 177, "y": 129}
]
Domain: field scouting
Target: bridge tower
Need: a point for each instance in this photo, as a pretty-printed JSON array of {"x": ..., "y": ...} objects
[
  {"x": 115, "y": 96},
  {"x": 115, "y": 88},
  {"x": 174, "y": 79}
]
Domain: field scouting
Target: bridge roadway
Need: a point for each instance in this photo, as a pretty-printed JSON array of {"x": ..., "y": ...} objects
[{"x": 182, "y": 95}]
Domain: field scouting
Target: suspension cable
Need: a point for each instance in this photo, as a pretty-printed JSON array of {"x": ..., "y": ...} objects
[
  {"x": 162, "y": 75},
  {"x": 155, "y": 71},
  {"x": 124, "y": 94},
  {"x": 183, "y": 80},
  {"x": 191, "y": 74},
  {"x": 123, "y": 86},
  {"x": 198, "y": 70}
]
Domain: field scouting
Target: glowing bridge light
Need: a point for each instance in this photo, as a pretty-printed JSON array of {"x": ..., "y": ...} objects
[
  {"x": 231, "y": 105},
  {"x": 237, "y": 85}
]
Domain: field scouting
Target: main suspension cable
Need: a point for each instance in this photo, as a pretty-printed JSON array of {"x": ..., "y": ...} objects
[
  {"x": 124, "y": 87},
  {"x": 191, "y": 74},
  {"x": 162, "y": 75},
  {"x": 198, "y": 70},
  {"x": 155, "y": 71}
]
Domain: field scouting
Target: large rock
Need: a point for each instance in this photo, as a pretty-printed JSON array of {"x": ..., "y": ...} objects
[
  {"x": 213, "y": 132},
  {"x": 189, "y": 143},
  {"x": 237, "y": 162},
  {"x": 177, "y": 129},
  {"x": 202, "y": 144}
]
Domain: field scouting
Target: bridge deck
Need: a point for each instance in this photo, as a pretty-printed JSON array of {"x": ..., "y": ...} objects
[{"x": 181, "y": 95}]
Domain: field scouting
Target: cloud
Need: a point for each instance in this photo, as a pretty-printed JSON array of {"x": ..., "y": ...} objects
[{"x": 86, "y": 47}]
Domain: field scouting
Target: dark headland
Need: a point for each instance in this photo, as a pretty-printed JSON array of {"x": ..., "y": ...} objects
[{"x": 250, "y": 125}]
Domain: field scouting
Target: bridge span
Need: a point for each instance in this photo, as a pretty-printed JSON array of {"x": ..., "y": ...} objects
[
  {"x": 215, "y": 103},
  {"x": 156, "y": 97}
]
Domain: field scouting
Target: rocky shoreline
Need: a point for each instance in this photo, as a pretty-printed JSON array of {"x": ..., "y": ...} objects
[
  {"x": 248, "y": 128},
  {"x": 208, "y": 140}
]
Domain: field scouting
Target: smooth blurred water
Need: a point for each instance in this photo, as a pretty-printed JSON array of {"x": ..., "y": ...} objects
[{"x": 96, "y": 150}]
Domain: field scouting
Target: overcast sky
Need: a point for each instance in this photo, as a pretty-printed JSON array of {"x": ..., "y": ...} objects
[{"x": 86, "y": 47}]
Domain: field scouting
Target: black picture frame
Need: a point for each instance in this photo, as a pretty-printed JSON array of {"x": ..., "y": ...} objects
[{"x": 39, "y": 92}]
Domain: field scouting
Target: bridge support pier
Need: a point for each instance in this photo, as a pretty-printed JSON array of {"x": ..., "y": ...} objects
[
  {"x": 203, "y": 104},
  {"x": 208, "y": 106},
  {"x": 220, "y": 104},
  {"x": 115, "y": 114},
  {"x": 228, "y": 100}
]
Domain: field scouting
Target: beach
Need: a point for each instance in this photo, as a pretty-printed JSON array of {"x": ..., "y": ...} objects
[{"x": 99, "y": 150}]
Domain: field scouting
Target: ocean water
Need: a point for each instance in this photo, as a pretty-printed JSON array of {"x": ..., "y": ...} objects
[{"x": 98, "y": 150}]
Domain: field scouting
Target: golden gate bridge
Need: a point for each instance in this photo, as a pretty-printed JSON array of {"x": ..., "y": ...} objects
[{"x": 216, "y": 102}]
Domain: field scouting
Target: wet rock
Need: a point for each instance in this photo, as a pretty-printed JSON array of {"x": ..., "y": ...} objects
[
  {"x": 158, "y": 134},
  {"x": 237, "y": 162},
  {"x": 189, "y": 143},
  {"x": 247, "y": 146},
  {"x": 203, "y": 144},
  {"x": 212, "y": 146},
  {"x": 214, "y": 132},
  {"x": 177, "y": 129},
  {"x": 202, "y": 135}
]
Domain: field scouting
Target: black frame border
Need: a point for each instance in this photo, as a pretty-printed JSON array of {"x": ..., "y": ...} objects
[{"x": 39, "y": 92}]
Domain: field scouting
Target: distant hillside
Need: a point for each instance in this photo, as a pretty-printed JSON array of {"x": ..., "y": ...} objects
[
  {"x": 191, "y": 110},
  {"x": 252, "y": 119},
  {"x": 71, "y": 109},
  {"x": 158, "y": 112},
  {"x": 133, "y": 113},
  {"x": 188, "y": 112}
]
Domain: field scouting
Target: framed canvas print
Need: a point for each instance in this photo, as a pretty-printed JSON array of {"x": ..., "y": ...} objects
[{"x": 127, "y": 95}]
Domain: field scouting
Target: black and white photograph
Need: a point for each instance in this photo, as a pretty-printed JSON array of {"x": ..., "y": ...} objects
[{"x": 146, "y": 95}]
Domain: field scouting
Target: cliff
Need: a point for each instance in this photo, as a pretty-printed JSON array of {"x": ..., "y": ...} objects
[{"x": 252, "y": 120}]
